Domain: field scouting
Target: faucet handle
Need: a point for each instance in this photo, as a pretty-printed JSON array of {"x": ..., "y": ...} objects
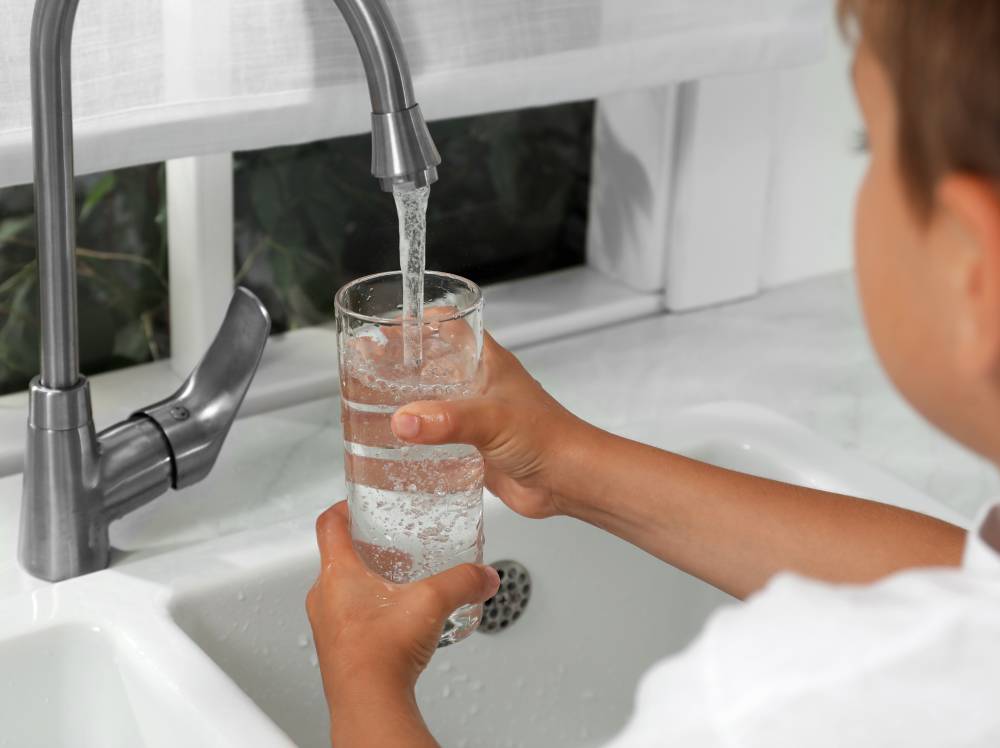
[{"x": 196, "y": 419}]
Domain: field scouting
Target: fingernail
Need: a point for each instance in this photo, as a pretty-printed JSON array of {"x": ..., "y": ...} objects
[
  {"x": 405, "y": 425},
  {"x": 492, "y": 577}
]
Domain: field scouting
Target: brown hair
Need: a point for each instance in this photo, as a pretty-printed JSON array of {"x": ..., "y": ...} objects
[{"x": 943, "y": 62}]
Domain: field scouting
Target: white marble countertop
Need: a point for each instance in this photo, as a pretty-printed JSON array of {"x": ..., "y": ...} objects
[{"x": 800, "y": 350}]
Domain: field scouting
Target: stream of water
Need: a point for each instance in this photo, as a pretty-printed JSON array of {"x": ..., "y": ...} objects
[{"x": 411, "y": 207}]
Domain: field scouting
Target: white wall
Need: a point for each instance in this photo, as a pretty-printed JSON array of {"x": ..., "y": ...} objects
[
  {"x": 713, "y": 190},
  {"x": 815, "y": 171}
]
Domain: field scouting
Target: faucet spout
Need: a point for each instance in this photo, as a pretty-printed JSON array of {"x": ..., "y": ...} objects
[{"x": 403, "y": 153}]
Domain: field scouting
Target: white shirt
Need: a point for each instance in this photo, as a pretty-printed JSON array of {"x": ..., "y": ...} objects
[{"x": 912, "y": 661}]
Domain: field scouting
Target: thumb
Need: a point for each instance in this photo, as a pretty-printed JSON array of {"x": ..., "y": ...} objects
[
  {"x": 476, "y": 421},
  {"x": 466, "y": 584}
]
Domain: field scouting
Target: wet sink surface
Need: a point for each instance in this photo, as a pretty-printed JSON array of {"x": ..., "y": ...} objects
[
  {"x": 550, "y": 678},
  {"x": 601, "y": 611}
]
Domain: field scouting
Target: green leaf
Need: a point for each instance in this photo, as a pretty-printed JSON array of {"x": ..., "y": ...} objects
[
  {"x": 131, "y": 342},
  {"x": 97, "y": 193},
  {"x": 11, "y": 227}
]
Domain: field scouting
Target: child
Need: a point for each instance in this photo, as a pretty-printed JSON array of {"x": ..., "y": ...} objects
[{"x": 866, "y": 625}]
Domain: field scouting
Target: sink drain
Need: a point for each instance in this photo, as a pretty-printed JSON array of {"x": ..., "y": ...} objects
[{"x": 504, "y": 608}]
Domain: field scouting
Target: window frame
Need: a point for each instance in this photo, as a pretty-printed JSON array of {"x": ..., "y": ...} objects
[{"x": 301, "y": 365}]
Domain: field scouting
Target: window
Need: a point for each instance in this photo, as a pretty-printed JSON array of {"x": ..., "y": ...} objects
[
  {"x": 511, "y": 202},
  {"x": 122, "y": 267}
]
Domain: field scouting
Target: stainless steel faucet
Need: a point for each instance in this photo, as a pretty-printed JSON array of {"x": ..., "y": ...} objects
[{"x": 76, "y": 480}]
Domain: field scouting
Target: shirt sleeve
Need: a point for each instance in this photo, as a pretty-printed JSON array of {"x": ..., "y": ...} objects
[{"x": 808, "y": 663}]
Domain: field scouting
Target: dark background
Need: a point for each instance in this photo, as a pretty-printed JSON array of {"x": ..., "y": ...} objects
[{"x": 511, "y": 202}]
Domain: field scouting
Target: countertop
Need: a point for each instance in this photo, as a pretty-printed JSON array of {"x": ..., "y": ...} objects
[{"x": 800, "y": 350}]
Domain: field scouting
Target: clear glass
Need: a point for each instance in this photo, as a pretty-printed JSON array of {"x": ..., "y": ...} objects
[{"x": 415, "y": 510}]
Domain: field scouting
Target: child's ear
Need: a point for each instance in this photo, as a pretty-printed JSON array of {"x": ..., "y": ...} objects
[{"x": 970, "y": 206}]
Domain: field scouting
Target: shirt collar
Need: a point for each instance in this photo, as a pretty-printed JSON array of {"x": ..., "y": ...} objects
[{"x": 982, "y": 546}]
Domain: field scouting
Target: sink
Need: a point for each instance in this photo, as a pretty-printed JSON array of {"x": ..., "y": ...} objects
[
  {"x": 197, "y": 635},
  {"x": 74, "y": 685},
  {"x": 591, "y": 594},
  {"x": 550, "y": 678}
]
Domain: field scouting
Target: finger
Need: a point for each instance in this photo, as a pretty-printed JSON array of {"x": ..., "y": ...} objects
[
  {"x": 333, "y": 533},
  {"x": 477, "y": 421},
  {"x": 467, "y": 584}
]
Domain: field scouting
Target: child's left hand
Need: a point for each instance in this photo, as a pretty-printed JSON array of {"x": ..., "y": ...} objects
[{"x": 374, "y": 638}]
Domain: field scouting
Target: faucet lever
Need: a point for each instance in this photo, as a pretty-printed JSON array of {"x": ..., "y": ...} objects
[{"x": 196, "y": 418}]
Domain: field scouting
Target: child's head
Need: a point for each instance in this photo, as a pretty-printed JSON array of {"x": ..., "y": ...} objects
[{"x": 927, "y": 237}]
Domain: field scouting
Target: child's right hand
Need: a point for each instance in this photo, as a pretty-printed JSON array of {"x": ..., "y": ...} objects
[{"x": 529, "y": 441}]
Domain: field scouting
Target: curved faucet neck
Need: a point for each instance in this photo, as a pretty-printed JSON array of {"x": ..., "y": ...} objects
[
  {"x": 55, "y": 208},
  {"x": 386, "y": 68}
]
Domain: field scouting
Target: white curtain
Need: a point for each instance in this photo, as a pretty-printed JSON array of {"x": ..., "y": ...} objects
[{"x": 155, "y": 79}]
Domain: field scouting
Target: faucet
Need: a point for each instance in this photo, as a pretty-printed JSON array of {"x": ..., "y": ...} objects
[{"x": 78, "y": 480}]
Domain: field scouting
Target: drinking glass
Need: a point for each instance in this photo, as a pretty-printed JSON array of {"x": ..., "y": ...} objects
[{"x": 415, "y": 510}]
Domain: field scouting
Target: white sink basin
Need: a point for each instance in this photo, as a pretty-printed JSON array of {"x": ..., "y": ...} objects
[
  {"x": 527, "y": 684},
  {"x": 68, "y": 679},
  {"x": 198, "y": 636},
  {"x": 76, "y": 673}
]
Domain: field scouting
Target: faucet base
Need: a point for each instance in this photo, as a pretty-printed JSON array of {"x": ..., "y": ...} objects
[{"x": 61, "y": 533}]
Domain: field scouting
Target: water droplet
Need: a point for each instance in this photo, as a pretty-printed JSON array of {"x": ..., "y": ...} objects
[
  {"x": 444, "y": 667},
  {"x": 476, "y": 685},
  {"x": 474, "y": 710},
  {"x": 446, "y": 692},
  {"x": 303, "y": 641},
  {"x": 314, "y": 660},
  {"x": 241, "y": 596}
]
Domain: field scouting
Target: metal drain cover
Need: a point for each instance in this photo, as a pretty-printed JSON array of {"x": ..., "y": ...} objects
[{"x": 504, "y": 608}]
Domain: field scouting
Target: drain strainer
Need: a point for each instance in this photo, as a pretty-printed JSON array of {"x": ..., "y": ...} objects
[{"x": 504, "y": 608}]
